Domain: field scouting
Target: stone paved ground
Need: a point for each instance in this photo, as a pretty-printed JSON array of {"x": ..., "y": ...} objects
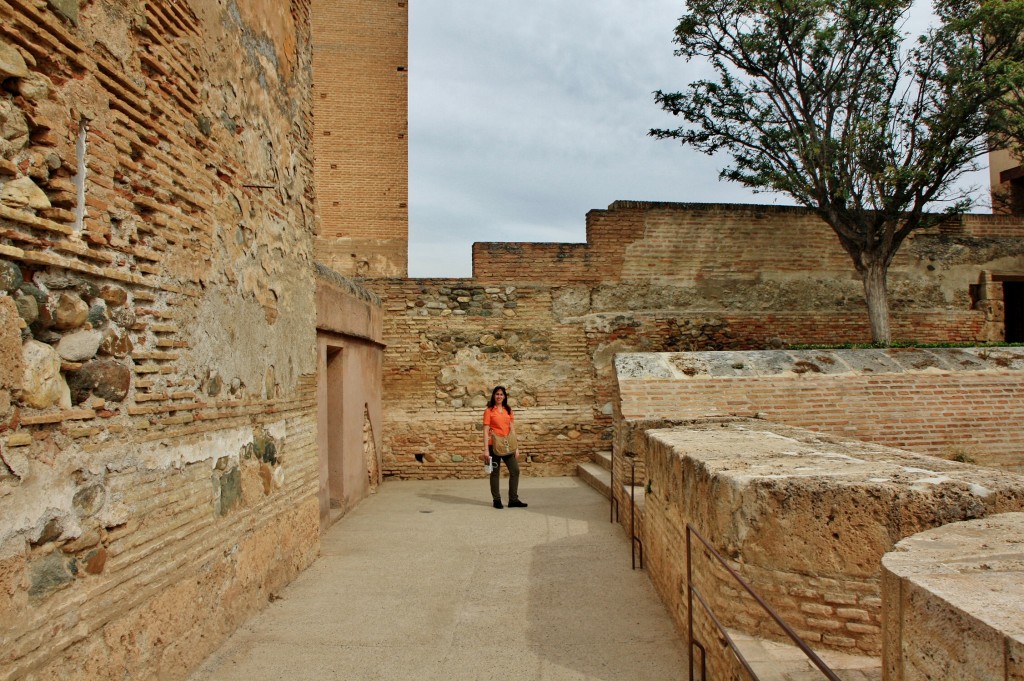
[{"x": 426, "y": 581}]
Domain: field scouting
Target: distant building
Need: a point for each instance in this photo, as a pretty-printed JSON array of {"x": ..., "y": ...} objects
[{"x": 1007, "y": 176}]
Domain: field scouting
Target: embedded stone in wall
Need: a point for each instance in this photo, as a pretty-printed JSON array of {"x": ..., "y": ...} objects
[
  {"x": 230, "y": 486},
  {"x": 51, "y": 573},
  {"x": 22, "y": 193},
  {"x": 12, "y": 64},
  {"x": 114, "y": 296},
  {"x": 70, "y": 311},
  {"x": 34, "y": 86},
  {"x": 10, "y": 276},
  {"x": 42, "y": 383},
  {"x": 264, "y": 448},
  {"x": 13, "y": 129},
  {"x": 80, "y": 345},
  {"x": 28, "y": 308},
  {"x": 66, "y": 8},
  {"x": 104, "y": 378},
  {"x": 89, "y": 500},
  {"x": 11, "y": 367},
  {"x": 116, "y": 342}
]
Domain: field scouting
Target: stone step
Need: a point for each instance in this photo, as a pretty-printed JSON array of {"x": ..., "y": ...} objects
[
  {"x": 602, "y": 459},
  {"x": 596, "y": 476}
]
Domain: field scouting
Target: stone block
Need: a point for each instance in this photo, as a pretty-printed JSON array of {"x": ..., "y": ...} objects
[
  {"x": 65, "y": 8},
  {"x": 954, "y": 601},
  {"x": 11, "y": 365}
]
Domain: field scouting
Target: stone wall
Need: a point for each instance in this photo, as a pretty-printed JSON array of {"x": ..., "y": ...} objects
[
  {"x": 804, "y": 517},
  {"x": 652, "y": 277},
  {"x": 157, "y": 329},
  {"x": 360, "y": 50},
  {"x": 965, "y": 404},
  {"x": 953, "y": 602}
]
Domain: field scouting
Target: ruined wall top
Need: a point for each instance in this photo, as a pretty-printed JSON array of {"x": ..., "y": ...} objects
[{"x": 685, "y": 242}]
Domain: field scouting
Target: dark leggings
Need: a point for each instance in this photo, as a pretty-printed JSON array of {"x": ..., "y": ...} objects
[{"x": 513, "y": 475}]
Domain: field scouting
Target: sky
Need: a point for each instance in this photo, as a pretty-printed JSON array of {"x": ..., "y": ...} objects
[{"x": 526, "y": 114}]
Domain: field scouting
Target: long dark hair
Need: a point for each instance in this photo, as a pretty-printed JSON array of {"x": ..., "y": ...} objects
[{"x": 490, "y": 402}]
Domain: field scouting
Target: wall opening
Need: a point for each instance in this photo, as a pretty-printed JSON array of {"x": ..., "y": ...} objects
[
  {"x": 1013, "y": 310},
  {"x": 335, "y": 477},
  {"x": 1016, "y": 196},
  {"x": 80, "y": 149}
]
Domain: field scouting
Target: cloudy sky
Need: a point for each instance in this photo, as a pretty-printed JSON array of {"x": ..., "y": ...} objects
[{"x": 526, "y": 114}]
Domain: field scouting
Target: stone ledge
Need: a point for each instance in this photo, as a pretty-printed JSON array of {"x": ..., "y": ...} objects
[{"x": 690, "y": 366}]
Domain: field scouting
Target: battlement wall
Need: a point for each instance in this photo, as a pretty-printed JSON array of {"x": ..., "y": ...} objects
[
  {"x": 953, "y": 602},
  {"x": 684, "y": 243}
]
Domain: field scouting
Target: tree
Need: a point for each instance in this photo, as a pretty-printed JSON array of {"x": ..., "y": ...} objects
[{"x": 827, "y": 101}]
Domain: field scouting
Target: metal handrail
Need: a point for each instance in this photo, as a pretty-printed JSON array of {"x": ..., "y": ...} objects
[
  {"x": 613, "y": 510},
  {"x": 633, "y": 539},
  {"x": 692, "y": 591}
]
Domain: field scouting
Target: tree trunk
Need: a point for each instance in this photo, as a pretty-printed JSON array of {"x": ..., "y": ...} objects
[{"x": 877, "y": 296}]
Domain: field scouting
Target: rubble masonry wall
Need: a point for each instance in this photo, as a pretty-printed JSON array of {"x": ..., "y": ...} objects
[{"x": 159, "y": 468}]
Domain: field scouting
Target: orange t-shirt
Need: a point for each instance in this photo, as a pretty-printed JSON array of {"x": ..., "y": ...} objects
[{"x": 499, "y": 420}]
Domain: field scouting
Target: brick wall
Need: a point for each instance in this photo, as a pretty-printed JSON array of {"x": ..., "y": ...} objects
[
  {"x": 963, "y": 403},
  {"x": 157, "y": 424},
  {"x": 360, "y": 50}
]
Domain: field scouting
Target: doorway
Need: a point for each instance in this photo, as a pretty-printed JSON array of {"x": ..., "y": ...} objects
[
  {"x": 1013, "y": 310},
  {"x": 330, "y": 426}
]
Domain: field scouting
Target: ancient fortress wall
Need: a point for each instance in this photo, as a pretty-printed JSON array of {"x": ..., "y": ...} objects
[
  {"x": 652, "y": 277},
  {"x": 952, "y": 403},
  {"x": 804, "y": 517},
  {"x": 157, "y": 329},
  {"x": 360, "y": 59}
]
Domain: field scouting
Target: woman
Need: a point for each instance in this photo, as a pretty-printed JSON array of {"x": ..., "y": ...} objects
[{"x": 499, "y": 421}]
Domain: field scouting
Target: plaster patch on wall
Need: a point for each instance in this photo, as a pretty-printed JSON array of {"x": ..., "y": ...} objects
[{"x": 228, "y": 324}]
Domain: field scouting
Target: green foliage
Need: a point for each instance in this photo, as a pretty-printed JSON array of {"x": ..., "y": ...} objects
[{"x": 826, "y": 100}]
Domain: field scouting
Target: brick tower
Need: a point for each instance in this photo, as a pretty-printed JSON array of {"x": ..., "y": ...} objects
[{"x": 360, "y": 53}]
